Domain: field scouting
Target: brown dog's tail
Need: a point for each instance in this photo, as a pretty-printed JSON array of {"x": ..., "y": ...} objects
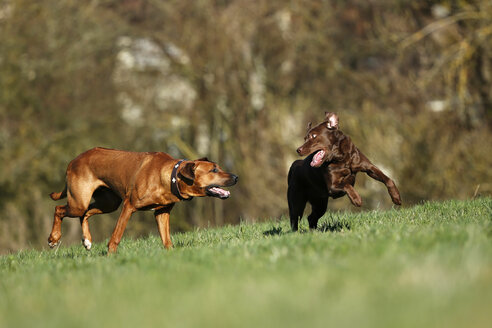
[{"x": 59, "y": 195}]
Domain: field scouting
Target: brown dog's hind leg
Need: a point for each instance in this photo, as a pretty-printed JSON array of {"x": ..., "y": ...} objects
[
  {"x": 86, "y": 234},
  {"x": 55, "y": 235},
  {"x": 162, "y": 219},
  {"x": 61, "y": 211},
  {"x": 105, "y": 201},
  {"x": 79, "y": 193}
]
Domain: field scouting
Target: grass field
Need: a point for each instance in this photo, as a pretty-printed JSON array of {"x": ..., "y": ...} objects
[{"x": 426, "y": 266}]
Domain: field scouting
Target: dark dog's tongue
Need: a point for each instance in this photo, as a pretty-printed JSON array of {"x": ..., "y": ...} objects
[{"x": 318, "y": 158}]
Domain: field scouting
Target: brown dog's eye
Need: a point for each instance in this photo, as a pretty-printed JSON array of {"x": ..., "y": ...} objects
[
  {"x": 214, "y": 170},
  {"x": 313, "y": 136}
]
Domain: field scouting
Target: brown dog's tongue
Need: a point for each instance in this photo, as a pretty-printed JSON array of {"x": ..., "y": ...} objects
[
  {"x": 220, "y": 191},
  {"x": 317, "y": 158}
]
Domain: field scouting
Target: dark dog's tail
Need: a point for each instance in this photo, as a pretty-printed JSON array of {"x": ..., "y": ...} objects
[
  {"x": 290, "y": 172},
  {"x": 59, "y": 195}
]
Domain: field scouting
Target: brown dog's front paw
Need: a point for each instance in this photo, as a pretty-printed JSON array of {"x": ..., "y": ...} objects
[{"x": 397, "y": 201}]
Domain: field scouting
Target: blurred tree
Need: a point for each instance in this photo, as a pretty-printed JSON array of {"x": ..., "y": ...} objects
[{"x": 237, "y": 81}]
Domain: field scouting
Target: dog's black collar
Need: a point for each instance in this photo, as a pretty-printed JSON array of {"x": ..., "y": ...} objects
[{"x": 174, "y": 182}]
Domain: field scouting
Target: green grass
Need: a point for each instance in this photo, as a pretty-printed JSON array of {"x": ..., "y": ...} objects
[{"x": 426, "y": 266}]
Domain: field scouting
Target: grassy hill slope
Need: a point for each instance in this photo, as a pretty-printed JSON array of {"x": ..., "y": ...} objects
[{"x": 430, "y": 265}]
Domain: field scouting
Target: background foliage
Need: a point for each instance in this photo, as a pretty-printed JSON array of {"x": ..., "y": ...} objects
[{"x": 237, "y": 81}]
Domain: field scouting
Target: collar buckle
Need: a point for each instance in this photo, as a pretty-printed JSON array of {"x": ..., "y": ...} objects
[{"x": 174, "y": 182}]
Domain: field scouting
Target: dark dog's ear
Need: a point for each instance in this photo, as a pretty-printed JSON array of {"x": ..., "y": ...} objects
[
  {"x": 188, "y": 171},
  {"x": 334, "y": 155},
  {"x": 332, "y": 120},
  {"x": 309, "y": 126},
  {"x": 337, "y": 151},
  {"x": 203, "y": 159}
]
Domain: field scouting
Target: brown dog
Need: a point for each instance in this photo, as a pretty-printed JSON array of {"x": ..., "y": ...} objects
[
  {"x": 329, "y": 171},
  {"x": 143, "y": 181}
]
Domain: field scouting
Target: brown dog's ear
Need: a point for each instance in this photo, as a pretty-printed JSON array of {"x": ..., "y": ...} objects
[
  {"x": 332, "y": 120},
  {"x": 188, "y": 171},
  {"x": 203, "y": 159}
]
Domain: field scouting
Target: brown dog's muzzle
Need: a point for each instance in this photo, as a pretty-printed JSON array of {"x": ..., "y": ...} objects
[{"x": 217, "y": 191}]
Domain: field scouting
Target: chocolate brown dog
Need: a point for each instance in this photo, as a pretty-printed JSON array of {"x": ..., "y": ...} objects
[
  {"x": 329, "y": 171},
  {"x": 143, "y": 181}
]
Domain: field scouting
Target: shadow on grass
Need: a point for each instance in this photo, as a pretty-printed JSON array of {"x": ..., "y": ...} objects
[
  {"x": 334, "y": 226},
  {"x": 330, "y": 226},
  {"x": 277, "y": 231},
  {"x": 274, "y": 231}
]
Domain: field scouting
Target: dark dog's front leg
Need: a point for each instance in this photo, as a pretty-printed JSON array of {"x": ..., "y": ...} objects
[
  {"x": 342, "y": 181},
  {"x": 376, "y": 174},
  {"x": 353, "y": 195}
]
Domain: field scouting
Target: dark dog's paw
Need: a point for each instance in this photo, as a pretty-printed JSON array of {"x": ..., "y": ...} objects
[
  {"x": 396, "y": 199},
  {"x": 357, "y": 201},
  {"x": 353, "y": 196}
]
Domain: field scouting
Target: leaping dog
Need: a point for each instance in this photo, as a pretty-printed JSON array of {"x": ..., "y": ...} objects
[{"x": 328, "y": 171}]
